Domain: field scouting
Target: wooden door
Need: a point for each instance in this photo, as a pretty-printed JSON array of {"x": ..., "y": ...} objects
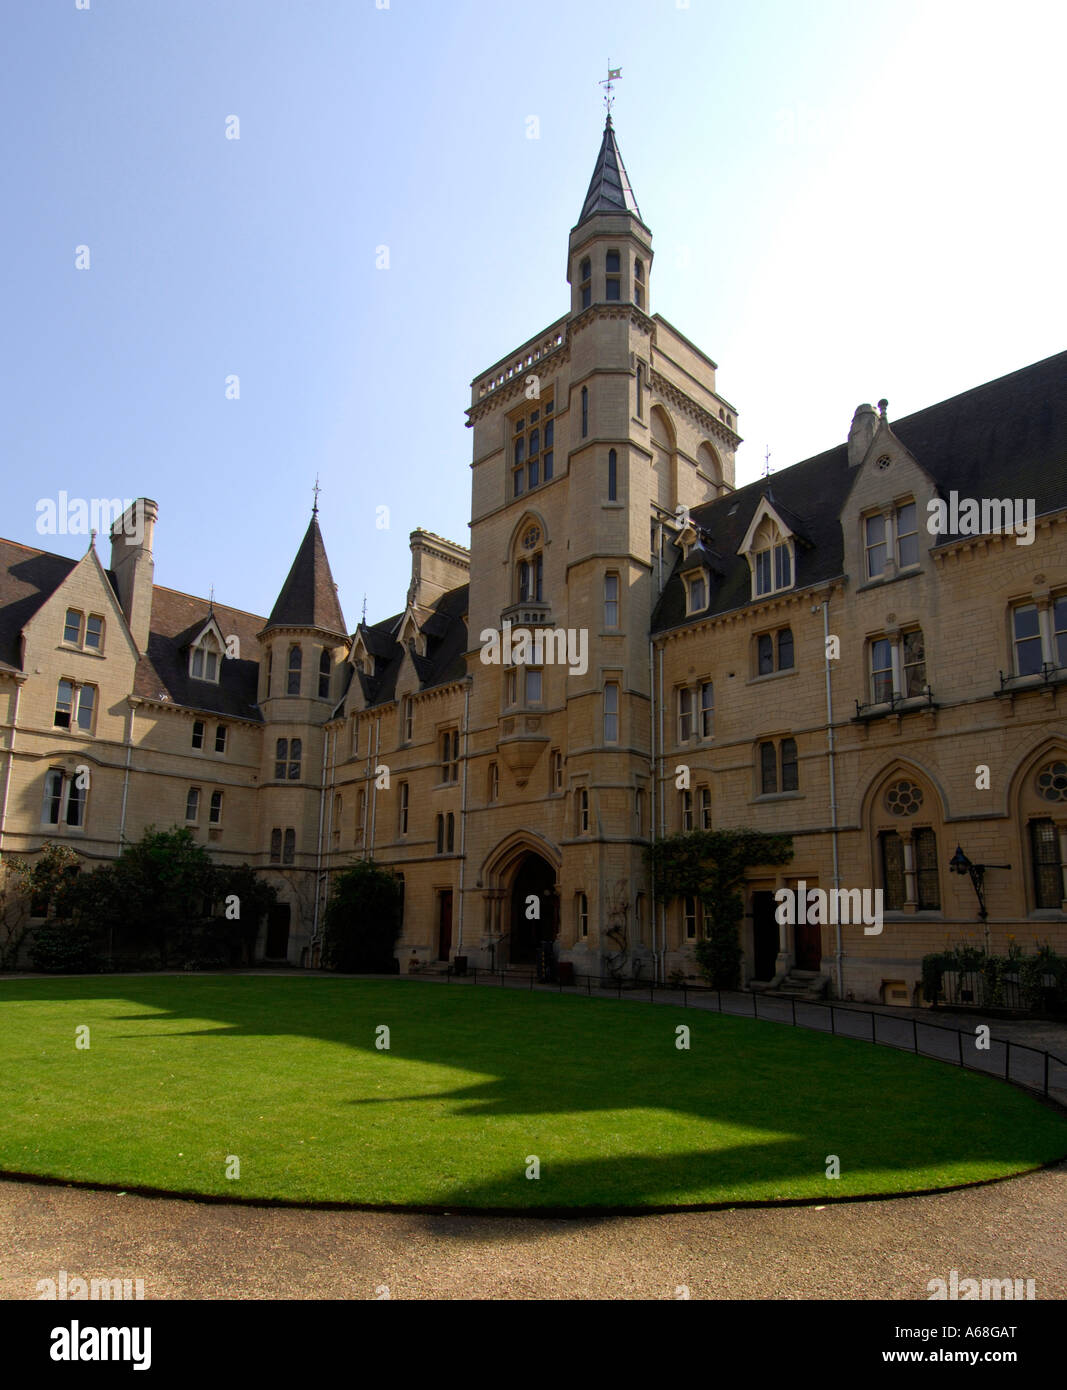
[{"x": 444, "y": 935}]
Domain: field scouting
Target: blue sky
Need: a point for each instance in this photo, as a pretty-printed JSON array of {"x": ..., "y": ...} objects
[{"x": 848, "y": 201}]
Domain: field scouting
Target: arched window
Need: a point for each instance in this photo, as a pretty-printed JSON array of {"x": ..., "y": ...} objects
[
  {"x": 324, "y": 674},
  {"x": 613, "y": 476},
  {"x": 289, "y": 852},
  {"x": 295, "y": 662},
  {"x": 904, "y": 819}
]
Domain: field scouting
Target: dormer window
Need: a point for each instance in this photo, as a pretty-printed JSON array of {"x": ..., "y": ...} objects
[
  {"x": 696, "y": 591},
  {"x": 769, "y": 548},
  {"x": 205, "y": 658},
  {"x": 774, "y": 568}
]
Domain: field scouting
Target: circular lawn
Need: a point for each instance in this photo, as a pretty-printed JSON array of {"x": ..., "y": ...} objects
[{"x": 274, "y": 1088}]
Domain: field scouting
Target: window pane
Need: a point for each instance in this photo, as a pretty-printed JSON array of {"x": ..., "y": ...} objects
[
  {"x": 520, "y": 450},
  {"x": 86, "y": 702},
  {"x": 613, "y": 290},
  {"x": 587, "y": 296},
  {"x": 290, "y": 847},
  {"x": 925, "y": 843},
  {"x": 72, "y": 628},
  {"x": 94, "y": 631},
  {"x": 881, "y": 670},
  {"x": 64, "y": 704},
  {"x": 295, "y": 750},
  {"x": 215, "y": 814},
  {"x": 534, "y": 472},
  {"x": 533, "y": 687},
  {"x": 876, "y": 552},
  {"x": 220, "y": 739},
  {"x": 550, "y": 431},
  {"x": 275, "y": 846},
  {"x": 547, "y": 464},
  {"x": 783, "y": 569},
  {"x": 611, "y": 262},
  {"x": 893, "y": 870},
  {"x": 192, "y": 804},
  {"x": 765, "y": 654},
  {"x": 1048, "y": 876},
  {"x": 768, "y": 768},
  {"x": 789, "y": 765},
  {"x": 611, "y": 713},
  {"x": 53, "y": 797},
  {"x": 907, "y": 535},
  {"x": 1059, "y": 631},
  {"x": 281, "y": 757},
  {"x": 763, "y": 572},
  {"x": 211, "y": 666},
  {"x": 518, "y": 478},
  {"x": 1027, "y": 640},
  {"x": 785, "y": 649},
  {"x": 75, "y": 803},
  {"x": 914, "y": 663},
  {"x": 535, "y": 442},
  {"x": 697, "y": 598},
  {"x": 707, "y": 709},
  {"x": 685, "y": 715}
]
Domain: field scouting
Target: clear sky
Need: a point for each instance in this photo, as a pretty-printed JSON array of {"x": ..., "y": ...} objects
[{"x": 848, "y": 201}]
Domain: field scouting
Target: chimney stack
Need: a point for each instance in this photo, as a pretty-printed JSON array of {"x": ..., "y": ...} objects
[
  {"x": 133, "y": 566},
  {"x": 864, "y": 424}
]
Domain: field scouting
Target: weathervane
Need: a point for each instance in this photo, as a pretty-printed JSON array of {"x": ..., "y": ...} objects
[
  {"x": 767, "y": 462},
  {"x": 317, "y": 490},
  {"x": 614, "y": 75}
]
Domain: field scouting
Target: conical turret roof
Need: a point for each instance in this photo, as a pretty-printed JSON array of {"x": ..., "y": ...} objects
[
  {"x": 609, "y": 188},
  {"x": 308, "y": 597}
]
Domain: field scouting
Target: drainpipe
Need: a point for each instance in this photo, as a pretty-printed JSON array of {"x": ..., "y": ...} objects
[
  {"x": 662, "y": 801},
  {"x": 374, "y": 784},
  {"x": 318, "y": 850},
  {"x": 652, "y": 807},
  {"x": 9, "y": 766},
  {"x": 463, "y": 815},
  {"x": 126, "y": 774},
  {"x": 833, "y": 788}
]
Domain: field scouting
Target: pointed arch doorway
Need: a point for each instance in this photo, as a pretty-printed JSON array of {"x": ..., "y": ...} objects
[{"x": 534, "y": 908}]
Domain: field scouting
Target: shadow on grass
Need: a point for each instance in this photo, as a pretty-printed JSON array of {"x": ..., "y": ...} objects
[{"x": 891, "y": 1118}]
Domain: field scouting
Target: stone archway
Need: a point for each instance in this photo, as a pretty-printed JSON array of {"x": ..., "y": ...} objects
[{"x": 534, "y": 902}]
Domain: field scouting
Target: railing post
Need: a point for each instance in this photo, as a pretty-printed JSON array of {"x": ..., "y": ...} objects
[
  {"x": 915, "y": 1035},
  {"x": 1007, "y": 1060},
  {"x": 1046, "y": 1076},
  {"x": 959, "y": 1039},
  {"x": 833, "y": 1022}
]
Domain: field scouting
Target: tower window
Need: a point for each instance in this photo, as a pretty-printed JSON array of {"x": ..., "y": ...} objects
[
  {"x": 583, "y": 810},
  {"x": 581, "y": 913},
  {"x": 640, "y": 385},
  {"x": 611, "y": 601},
  {"x": 611, "y": 712},
  {"x": 613, "y": 284},
  {"x": 585, "y": 286},
  {"x": 214, "y": 814},
  {"x": 613, "y": 476},
  {"x": 639, "y": 300},
  {"x": 295, "y": 662},
  {"x": 532, "y": 450},
  {"x": 289, "y": 852},
  {"x": 276, "y": 845},
  {"x": 585, "y": 411},
  {"x": 324, "y": 675},
  {"x": 287, "y": 757}
]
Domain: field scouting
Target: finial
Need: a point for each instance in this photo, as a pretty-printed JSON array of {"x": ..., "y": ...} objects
[
  {"x": 883, "y": 406},
  {"x": 767, "y": 462},
  {"x": 211, "y": 599},
  {"x": 317, "y": 490},
  {"x": 364, "y": 610},
  {"x": 614, "y": 75}
]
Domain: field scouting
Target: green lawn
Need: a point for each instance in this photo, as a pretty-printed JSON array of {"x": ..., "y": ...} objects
[{"x": 283, "y": 1073}]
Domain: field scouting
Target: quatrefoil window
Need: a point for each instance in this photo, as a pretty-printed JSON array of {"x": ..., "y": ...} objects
[
  {"x": 904, "y": 798},
  {"x": 530, "y": 538}
]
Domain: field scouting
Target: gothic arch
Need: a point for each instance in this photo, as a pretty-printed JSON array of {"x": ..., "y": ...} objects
[
  {"x": 530, "y": 517},
  {"x": 709, "y": 462},
  {"x": 887, "y": 809},
  {"x": 661, "y": 428},
  {"x": 501, "y": 861},
  {"x": 1027, "y": 802}
]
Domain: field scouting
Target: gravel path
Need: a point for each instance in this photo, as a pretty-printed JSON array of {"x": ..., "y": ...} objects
[{"x": 864, "y": 1250}]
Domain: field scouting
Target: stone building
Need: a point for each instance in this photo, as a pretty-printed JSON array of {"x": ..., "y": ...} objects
[{"x": 821, "y": 652}]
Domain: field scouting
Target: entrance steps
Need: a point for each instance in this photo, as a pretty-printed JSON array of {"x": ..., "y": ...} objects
[{"x": 801, "y": 984}]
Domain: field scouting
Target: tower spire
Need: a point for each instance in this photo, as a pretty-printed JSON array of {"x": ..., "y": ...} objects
[{"x": 609, "y": 188}]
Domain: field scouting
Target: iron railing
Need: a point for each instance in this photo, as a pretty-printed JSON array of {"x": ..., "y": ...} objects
[{"x": 1030, "y": 1068}]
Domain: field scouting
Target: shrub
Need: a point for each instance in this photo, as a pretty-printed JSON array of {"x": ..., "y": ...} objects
[
  {"x": 65, "y": 948},
  {"x": 362, "y": 920}
]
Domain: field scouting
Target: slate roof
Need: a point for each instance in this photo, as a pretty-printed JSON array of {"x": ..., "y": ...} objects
[
  {"x": 1007, "y": 438},
  {"x": 309, "y": 596},
  {"x": 177, "y": 619},
  {"x": 445, "y": 631},
  {"x": 27, "y": 579},
  {"x": 609, "y": 188}
]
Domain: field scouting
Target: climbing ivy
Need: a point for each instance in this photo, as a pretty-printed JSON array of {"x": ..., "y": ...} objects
[{"x": 711, "y": 865}]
